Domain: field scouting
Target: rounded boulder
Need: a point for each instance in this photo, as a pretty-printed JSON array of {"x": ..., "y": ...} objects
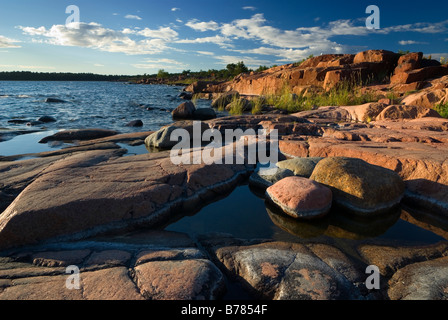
[
  {"x": 358, "y": 186},
  {"x": 300, "y": 198}
]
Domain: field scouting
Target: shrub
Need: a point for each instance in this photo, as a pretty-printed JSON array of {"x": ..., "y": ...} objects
[{"x": 442, "y": 109}]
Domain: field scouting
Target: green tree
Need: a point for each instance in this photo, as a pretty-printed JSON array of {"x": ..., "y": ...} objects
[
  {"x": 162, "y": 74},
  {"x": 235, "y": 69}
]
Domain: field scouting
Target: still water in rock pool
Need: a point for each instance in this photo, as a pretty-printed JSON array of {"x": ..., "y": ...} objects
[{"x": 245, "y": 215}]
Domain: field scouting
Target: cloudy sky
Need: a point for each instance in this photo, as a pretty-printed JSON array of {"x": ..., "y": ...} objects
[{"x": 143, "y": 36}]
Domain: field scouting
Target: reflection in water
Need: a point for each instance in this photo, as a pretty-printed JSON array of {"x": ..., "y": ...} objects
[
  {"x": 396, "y": 225},
  {"x": 435, "y": 223},
  {"x": 304, "y": 229},
  {"x": 337, "y": 224},
  {"x": 245, "y": 214},
  {"x": 348, "y": 226}
]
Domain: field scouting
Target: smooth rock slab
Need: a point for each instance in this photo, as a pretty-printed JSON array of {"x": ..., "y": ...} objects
[
  {"x": 180, "y": 280},
  {"x": 81, "y": 134},
  {"x": 359, "y": 186},
  {"x": 88, "y": 193},
  {"x": 109, "y": 284},
  {"x": 301, "y": 197},
  {"x": 286, "y": 271},
  {"x": 421, "y": 281}
]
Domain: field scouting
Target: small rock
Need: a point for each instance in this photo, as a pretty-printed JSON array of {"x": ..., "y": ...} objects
[
  {"x": 135, "y": 123},
  {"x": 186, "y": 95},
  {"x": 18, "y": 121},
  {"x": 300, "y": 197},
  {"x": 162, "y": 138},
  {"x": 302, "y": 167},
  {"x": 54, "y": 100},
  {"x": 204, "y": 114},
  {"x": 34, "y": 123},
  {"x": 264, "y": 178},
  {"x": 47, "y": 119},
  {"x": 184, "y": 111}
]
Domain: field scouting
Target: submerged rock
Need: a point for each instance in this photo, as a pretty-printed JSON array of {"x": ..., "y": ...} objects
[
  {"x": 359, "y": 186},
  {"x": 54, "y": 100},
  {"x": 300, "y": 197},
  {"x": 47, "y": 119},
  {"x": 135, "y": 123},
  {"x": 18, "y": 121},
  {"x": 34, "y": 123}
]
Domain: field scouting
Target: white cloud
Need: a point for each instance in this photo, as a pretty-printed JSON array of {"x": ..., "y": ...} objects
[
  {"x": 206, "y": 53},
  {"x": 162, "y": 63},
  {"x": 175, "y": 9},
  {"x": 165, "y": 61},
  {"x": 409, "y": 42},
  {"x": 249, "y": 8},
  {"x": 8, "y": 43},
  {"x": 25, "y": 67},
  {"x": 98, "y": 65},
  {"x": 94, "y": 36},
  {"x": 202, "y": 26},
  {"x": 421, "y": 27},
  {"x": 165, "y": 33},
  {"x": 219, "y": 40},
  {"x": 133, "y": 17},
  {"x": 179, "y": 21}
]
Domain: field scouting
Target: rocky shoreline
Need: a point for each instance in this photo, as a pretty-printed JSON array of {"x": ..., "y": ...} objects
[{"x": 90, "y": 206}]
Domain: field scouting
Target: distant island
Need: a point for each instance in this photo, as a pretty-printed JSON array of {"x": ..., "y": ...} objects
[{"x": 185, "y": 77}]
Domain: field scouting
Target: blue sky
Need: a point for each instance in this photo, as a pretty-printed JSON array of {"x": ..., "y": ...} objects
[{"x": 143, "y": 36}]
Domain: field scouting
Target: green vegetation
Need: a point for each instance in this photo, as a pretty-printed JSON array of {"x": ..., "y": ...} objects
[
  {"x": 443, "y": 60},
  {"x": 236, "y": 106},
  {"x": 442, "y": 109},
  {"x": 344, "y": 95},
  {"x": 162, "y": 74},
  {"x": 392, "y": 96},
  {"x": 185, "y": 77},
  {"x": 257, "y": 106}
]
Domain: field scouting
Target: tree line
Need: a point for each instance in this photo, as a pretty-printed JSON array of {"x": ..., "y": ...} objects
[
  {"x": 53, "y": 76},
  {"x": 232, "y": 70}
]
